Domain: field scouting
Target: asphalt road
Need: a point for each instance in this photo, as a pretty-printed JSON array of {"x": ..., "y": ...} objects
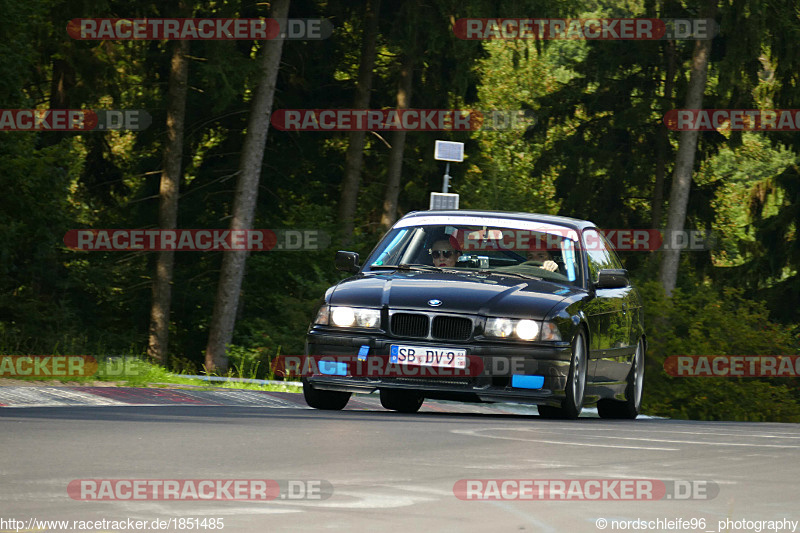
[{"x": 392, "y": 472}]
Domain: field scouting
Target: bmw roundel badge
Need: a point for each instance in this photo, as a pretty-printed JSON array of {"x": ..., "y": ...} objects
[{"x": 434, "y": 303}]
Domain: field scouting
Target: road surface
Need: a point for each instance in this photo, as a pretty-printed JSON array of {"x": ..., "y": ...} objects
[{"x": 375, "y": 470}]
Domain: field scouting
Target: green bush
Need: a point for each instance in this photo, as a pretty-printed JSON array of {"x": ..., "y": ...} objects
[{"x": 707, "y": 322}]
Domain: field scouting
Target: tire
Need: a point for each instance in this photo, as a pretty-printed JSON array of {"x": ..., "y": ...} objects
[
  {"x": 401, "y": 401},
  {"x": 576, "y": 383},
  {"x": 628, "y": 409},
  {"x": 327, "y": 400}
]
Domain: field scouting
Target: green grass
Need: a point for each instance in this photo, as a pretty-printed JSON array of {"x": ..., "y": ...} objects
[{"x": 134, "y": 372}]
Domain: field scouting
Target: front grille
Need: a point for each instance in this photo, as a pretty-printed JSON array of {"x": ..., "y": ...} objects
[
  {"x": 451, "y": 328},
  {"x": 410, "y": 325},
  {"x": 448, "y": 328}
]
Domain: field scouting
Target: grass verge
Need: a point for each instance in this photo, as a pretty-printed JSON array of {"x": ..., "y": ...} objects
[{"x": 134, "y": 372}]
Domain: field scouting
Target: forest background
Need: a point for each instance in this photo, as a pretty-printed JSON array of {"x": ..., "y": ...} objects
[{"x": 599, "y": 151}]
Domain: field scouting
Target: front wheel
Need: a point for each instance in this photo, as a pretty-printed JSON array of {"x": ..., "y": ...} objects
[
  {"x": 401, "y": 401},
  {"x": 327, "y": 400},
  {"x": 576, "y": 383},
  {"x": 629, "y": 409}
]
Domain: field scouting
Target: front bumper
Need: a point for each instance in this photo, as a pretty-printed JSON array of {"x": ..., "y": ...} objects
[{"x": 494, "y": 384}]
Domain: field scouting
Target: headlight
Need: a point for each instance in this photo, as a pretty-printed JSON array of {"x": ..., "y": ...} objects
[
  {"x": 550, "y": 332},
  {"x": 355, "y": 317},
  {"x": 343, "y": 317},
  {"x": 522, "y": 329},
  {"x": 323, "y": 315},
  {"x": 527, "y": 330},
  {"x": 499, "y": 327}
]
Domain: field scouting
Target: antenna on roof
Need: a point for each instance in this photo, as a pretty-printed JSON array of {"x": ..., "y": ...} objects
[{"x": 446, "y": 151}]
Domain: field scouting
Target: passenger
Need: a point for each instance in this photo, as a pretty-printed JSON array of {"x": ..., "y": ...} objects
[{"x": 541, "y": 259}]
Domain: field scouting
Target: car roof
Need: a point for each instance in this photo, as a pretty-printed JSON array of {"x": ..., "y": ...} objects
[{"x": 573, "y": 223}]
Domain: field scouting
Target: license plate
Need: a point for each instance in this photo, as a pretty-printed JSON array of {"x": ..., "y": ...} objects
[{"x": 428, "y": 356}]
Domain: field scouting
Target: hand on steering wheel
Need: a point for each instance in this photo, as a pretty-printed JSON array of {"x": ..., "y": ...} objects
[{"x": 550, "y": 266}]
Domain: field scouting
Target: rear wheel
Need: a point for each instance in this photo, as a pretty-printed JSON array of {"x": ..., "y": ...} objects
[
  {"x": 576, "y": 383},
  {"x": 401, "y": 401},
  {"x": 629, "y": 409},
  {"x": 327, "y": 400}
]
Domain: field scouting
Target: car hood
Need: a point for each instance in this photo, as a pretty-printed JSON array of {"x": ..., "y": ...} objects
[{"x": 468, "y": 293}]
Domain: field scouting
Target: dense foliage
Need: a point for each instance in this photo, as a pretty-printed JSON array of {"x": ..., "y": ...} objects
[{"x": 593, "y": 153}]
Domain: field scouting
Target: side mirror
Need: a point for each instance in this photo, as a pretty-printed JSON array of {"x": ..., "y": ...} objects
[
  {"x": 612, "y": 278},
  {"x": 346, "y": 261}
]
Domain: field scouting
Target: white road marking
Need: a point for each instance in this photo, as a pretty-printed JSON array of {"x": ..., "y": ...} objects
[
  {"x": 68, "y": 397},
  {"x": 713, "y": 433},
  {"x": 475, "y": 433},
  {"x": 639, "y": 439},
  {"x": 51, "y": 397},
  {"x": 700, "y": 442}
]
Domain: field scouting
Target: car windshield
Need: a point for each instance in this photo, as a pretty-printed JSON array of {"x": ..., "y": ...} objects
[{"x": 503, "y": 246}]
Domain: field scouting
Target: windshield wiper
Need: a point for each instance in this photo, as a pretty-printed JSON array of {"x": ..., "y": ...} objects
[
  {"x": 506, "y": 273},
  {"x": 407, "y": 266}
]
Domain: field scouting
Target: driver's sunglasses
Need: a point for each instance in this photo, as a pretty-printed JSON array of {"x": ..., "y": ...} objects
[{"x": 443, "y": 253}]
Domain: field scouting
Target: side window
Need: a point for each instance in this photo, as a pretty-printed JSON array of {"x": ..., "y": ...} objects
[
  {"x": 612, "y": 254},
  {"x": 596, "y": 252}
]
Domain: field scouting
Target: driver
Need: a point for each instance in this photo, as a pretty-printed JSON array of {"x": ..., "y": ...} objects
[{"x": 444, "y": 252}]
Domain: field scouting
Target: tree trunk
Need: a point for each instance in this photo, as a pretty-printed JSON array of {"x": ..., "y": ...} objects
[
  {"x": 684, "y": 162},
  {"x": 62, "y": 83},
  {"x": 355, "y": 150},
  {"x": 244, "y": 203},
  {"x": 61, "y": 87},
  {"x": 157, "y": 345},
  {"x": 398, "y": 146},
  {"x": 662, "y": 139}
]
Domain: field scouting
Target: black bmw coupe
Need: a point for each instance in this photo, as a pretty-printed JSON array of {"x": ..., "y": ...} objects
[{"x": 482, "y": 306}]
